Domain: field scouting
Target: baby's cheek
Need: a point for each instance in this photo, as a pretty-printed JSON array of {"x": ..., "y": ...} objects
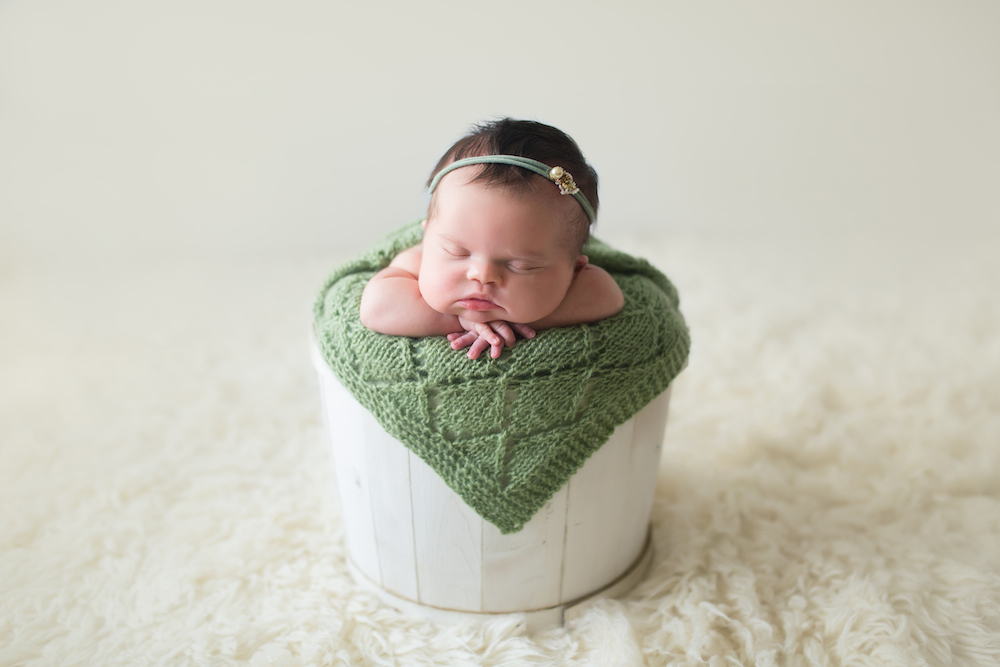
[
  {"x": 553, "y": 296},
  {"x": 536, "y": 304},
  {"x": 553, "y": 303},
  {"x": 431, "y": 290}
]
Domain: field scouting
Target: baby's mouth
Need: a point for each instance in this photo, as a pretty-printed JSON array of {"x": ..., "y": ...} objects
[{"x": 477, "y": 302}]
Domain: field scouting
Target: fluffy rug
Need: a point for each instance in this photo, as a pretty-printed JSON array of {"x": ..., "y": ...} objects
[{"x": 829, "y": 491}]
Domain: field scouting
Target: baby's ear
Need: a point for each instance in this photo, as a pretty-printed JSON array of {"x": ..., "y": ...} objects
[{"x": 580, "y": 262}]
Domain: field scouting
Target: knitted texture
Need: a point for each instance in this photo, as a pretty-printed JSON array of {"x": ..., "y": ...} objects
[{"x": 505, "y": 434}]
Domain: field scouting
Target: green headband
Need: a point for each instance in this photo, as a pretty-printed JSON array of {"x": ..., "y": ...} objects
[{"x": 557, "y": 175}]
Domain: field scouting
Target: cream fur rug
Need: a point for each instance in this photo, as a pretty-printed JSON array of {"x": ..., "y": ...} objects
[{"x": 829, "y": 493}]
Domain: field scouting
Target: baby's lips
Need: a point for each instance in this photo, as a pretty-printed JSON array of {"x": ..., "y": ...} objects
[{"x": 477, "y": 304}]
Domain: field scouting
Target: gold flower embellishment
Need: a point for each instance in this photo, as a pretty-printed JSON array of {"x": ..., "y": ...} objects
[{"x": 564, "y": 180}]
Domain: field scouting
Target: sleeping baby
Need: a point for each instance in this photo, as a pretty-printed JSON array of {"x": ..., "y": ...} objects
[{"x": 511, "y": 208}]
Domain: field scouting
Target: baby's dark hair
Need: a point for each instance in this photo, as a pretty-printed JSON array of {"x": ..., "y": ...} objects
[{"x": 526, "y": 138}]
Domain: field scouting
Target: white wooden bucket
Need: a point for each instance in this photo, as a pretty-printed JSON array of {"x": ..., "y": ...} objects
[{"x": 418, "y": 546}]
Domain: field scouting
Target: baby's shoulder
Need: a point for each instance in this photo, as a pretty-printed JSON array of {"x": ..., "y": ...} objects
[{"x": 409, "y": 259}]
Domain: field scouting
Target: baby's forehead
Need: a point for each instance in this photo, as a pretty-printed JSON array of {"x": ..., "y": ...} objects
[
  {"x": 466, "y": 203},
  {"x": 535, "y": 190},
  {"x": 470, "y": 180}
]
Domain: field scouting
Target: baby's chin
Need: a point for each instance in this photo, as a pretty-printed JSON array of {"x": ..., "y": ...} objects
[
  {"x": 491, "y": 315},
  {"x": 484, "y": 316}
]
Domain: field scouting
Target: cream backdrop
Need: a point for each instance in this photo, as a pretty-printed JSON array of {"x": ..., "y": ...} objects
[{"x": 248, "y": 128}]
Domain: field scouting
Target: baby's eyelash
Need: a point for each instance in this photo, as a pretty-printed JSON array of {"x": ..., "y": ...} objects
[{"x": 522, "y": 268}]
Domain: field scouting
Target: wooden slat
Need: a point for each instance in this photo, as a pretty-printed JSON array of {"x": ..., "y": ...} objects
[
  {"x": 647, "y": 442},
  {"x": 593, "y": 552},
  {"x": 345, "y": 417},
  {"x": 522, "y": 571},
  {"x": 448, "y": 537},
  {"x": 391, "y": 510}
]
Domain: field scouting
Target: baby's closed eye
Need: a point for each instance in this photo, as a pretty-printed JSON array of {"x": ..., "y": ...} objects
[{"x": 521, "y": 267}]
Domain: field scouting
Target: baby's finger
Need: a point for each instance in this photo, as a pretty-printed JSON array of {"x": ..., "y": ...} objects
[
  {"x": 485, "y": 331},
  {"x": 464, "y": 340},
  {"x": 495, "y": 350},
  {"x": 523, "y": 329},
  {"x": 504, "y": 330},
  {"x": 477, "y": 347}
]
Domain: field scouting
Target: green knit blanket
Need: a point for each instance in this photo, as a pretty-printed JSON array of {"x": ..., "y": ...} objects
[{"x": 505, "y": 434}]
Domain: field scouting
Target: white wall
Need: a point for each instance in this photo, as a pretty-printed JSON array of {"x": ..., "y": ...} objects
[{"x": 308, "y": 127}]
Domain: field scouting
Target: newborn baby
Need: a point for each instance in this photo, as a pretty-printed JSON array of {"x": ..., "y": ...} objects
[{"x": 500, "y": 254}]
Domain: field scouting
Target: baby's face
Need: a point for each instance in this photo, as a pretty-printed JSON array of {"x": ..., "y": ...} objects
[{"x": 492, "y": 255}]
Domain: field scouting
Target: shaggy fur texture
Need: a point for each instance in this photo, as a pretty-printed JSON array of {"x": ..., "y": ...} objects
[{"x": 829, "y": 492}]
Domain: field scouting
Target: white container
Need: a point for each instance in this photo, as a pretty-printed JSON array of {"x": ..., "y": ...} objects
[{"x": 415, "y": 543}]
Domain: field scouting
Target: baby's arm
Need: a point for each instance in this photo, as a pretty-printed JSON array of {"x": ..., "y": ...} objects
[
  {"x": 593, "y": 296},
  {"x": 392, "y": 304}
]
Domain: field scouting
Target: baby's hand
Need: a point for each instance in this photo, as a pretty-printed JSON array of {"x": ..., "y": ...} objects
[{"x": 493, "y": 335}]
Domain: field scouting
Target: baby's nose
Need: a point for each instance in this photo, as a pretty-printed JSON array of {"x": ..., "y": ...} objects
[{"x": 483, "y": 272}]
